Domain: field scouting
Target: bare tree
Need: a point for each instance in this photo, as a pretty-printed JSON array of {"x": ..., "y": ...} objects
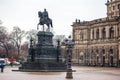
[
  {"x": 17, "y": 36},
  {"x": 4, "y": 39},
  {"x": 32, "y": 34},
  {"x": 24, "y": 51}
]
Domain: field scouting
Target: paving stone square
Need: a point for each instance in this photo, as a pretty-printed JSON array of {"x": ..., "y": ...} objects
[{"x": 82, "y": 73}]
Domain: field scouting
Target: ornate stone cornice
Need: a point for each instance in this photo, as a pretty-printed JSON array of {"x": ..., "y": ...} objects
[
  {"x": 111, "y": 2},
  {"x": 97, "y": 22}
]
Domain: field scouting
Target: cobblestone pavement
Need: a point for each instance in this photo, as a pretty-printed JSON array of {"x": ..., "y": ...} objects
[{"x": 82, "y": 73}]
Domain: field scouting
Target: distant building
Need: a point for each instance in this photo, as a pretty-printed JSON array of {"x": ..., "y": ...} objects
[{"x": 97, "y": 42}]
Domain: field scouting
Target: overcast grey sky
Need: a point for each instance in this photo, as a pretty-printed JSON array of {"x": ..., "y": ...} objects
[{"x": 24, "y": 13}]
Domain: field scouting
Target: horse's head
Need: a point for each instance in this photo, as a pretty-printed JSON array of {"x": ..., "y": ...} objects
[{"x": 40, "y": 14}]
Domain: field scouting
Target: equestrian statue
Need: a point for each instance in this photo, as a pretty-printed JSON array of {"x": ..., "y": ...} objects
[{"x": 44, "y": 19}]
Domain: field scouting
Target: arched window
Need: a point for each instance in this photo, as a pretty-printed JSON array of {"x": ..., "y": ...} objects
[
  {"x": 103, "y": 33},
  {"x": 111, "y": 32},
  {"x": 97, "y": 52},
  {"x": 97, "y": 34},
  {"x": 92, "y": 51},
  {"x": 93, "y": 34},
  {"x": 118, "y": 31},
  {"x": 103, "y": 51},
  {"x": 103, "y": 57},
  {"x": 118, "y": 6},
  {"x": 111, "y": 51},
  {"x": 81, "y": 35},
  {"x": 97, "y": 55},
  {"x": 111, "y": 57}
]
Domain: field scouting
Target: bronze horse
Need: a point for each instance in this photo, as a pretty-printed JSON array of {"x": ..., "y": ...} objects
[{"x": 44, "y": 20}]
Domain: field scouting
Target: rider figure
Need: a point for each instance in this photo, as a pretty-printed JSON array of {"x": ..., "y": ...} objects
[
  {"x": 44, "y": 19},
  {"x": 45, "y": 15}
]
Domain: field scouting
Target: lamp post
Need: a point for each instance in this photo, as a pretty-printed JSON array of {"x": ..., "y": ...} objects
[
  {"x": 69, "y": 45},
  {"x": 32, "y": 51},
  {"x": 58, "y": 50}
]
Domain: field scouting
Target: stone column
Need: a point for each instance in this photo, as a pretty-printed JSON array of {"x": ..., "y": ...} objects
[
  {"x": 114, "y": 27},
  {"x": 105, "y": 55},
  {"x": 91, "y": 35},
  {"x": 119, "y": 50},
  {"x": 94, "y": 33},
  {"x": 85, "y": 58},
  {"x": 107, "y": 32},
  {"x": 107, "y": 50},
  {"x": 100, "y": 32},
  {"x": 116, "y": 55},
  {"x": 116, "y": 31},
  {"x": 90, "y": 55},
  {"x": 119, "y": 30},
  {"x": 85, "y": 34},
  {"x": 101, "y": 57},
  {"x": 78, "y": 35}
]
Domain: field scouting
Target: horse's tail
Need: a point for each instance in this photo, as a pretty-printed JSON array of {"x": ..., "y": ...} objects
[
  {"x": 51, "y": 24},
  {"x": 37, "y": 26}
]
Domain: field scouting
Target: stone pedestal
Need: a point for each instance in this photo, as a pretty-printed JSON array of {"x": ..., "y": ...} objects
[{"x": 44, "y": 57}]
